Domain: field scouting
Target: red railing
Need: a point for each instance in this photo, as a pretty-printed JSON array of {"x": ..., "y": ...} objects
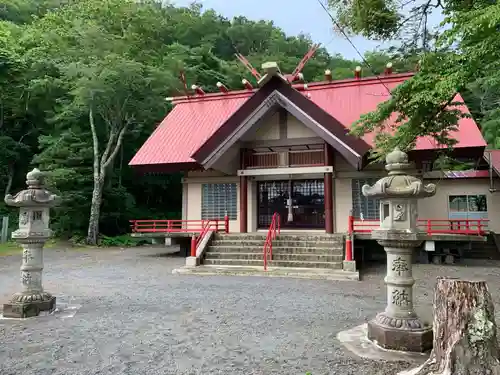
[
  {"x": 196, "y": 240},
  {"x": 470, "y": 227},
  {"x": 178, "y": 226},
  {"x": 274, "y": 229}
]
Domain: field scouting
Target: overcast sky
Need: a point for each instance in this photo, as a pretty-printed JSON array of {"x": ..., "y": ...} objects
[{"x": 308, "y": 18}]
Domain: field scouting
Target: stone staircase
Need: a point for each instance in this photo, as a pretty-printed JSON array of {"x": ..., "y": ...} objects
[
  {"x": 290, "y": 250},
  {"x": 484, "y": 250}
]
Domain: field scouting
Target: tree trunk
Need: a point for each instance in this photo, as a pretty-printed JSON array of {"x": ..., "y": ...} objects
[
  {"x": 95, "y": 212},
  {"x": 100, "y": 168},
  {"x": 9, "y": 181},
  {"x": 465, "y": 332}
]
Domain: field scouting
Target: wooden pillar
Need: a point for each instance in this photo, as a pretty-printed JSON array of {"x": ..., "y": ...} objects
[
  {"x": 243, "y": 196},
  {"x": 328, "y": 190},
  {"x": 243, "y": 204}
]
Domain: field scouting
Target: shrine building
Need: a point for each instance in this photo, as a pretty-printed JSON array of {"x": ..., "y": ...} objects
[{"x": 285, "y": 147}]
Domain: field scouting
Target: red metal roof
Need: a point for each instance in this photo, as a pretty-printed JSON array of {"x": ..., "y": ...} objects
[
  {"x": 193, "y": 120},
  {"x": 467, "y": 174}
]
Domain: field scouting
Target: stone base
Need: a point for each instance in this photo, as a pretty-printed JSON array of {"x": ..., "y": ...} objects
[
  {"x": 404, "y": 339},
  {"x": 349, "y": 265},
  {"x": 28, "y": 309},
  {"x": 192, "y": 262},
  {"x": 356, "y": 341}
]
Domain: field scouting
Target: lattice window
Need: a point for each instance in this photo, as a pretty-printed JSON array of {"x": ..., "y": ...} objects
[
  {"x": 369, "y": 207},
  {"x": 217, "y": 199}
]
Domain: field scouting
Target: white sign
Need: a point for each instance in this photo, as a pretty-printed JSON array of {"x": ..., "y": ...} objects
[{"x": 430, "y": 246}]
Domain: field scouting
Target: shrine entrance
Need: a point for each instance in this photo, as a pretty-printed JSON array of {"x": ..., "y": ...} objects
[{"x": 305, "y": 209}]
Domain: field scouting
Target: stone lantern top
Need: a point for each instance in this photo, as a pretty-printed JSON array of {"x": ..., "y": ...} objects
[
  {"x": 35, "y": 194},
  {"x": 396, "y": 161},
  {"x": 398, "y": 184}
]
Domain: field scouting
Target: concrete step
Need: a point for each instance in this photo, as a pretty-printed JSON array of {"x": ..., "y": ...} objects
[
  {"x": 273, "y": 263},
  {"x": 277, "y": 249},
  {"x": 483, "y": 250},
  {"x": 276, "y": 257},
  {"x": 279, "y": 243},
  {"x": 293, "y": 272}
]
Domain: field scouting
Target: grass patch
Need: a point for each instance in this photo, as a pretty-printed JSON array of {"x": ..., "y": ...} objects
[
  {"x": 77, "y": 244},
  {"x": 9, "y": 248},
  {"x": 125, "y": 240},
  {"x": 12, "y": 248}
]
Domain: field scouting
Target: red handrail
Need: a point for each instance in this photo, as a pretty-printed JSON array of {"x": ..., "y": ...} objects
[
  {"x": 196, "y": 240},
  {"x": 176, "y": 226},
  {"x": 274, "y": 229},
  {"x": 477, "y": 227}
]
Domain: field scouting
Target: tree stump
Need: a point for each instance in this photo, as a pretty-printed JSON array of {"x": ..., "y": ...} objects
[{"x": 465, "y": 332}]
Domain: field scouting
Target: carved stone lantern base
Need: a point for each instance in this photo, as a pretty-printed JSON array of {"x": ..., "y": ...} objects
[
  {"x": 27, "y": 305},
  {"x": 399, "y": 327},
  {"x": 399, "y": 334}
]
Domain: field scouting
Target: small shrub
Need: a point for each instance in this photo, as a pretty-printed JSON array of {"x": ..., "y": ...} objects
[
  {"x": 121, "y": 241},
  {"x": 77, "y": 240}
]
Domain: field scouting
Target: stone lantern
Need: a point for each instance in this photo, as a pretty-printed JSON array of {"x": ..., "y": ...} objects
[
  {"x": 34, "y": 214},
  {"x": 399, "y": 327}
]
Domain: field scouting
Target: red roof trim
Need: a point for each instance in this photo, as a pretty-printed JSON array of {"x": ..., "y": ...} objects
[{"x": 300, "y": 87}]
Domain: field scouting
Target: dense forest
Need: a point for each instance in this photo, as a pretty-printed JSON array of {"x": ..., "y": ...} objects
[{"x": 83, "y": 84}]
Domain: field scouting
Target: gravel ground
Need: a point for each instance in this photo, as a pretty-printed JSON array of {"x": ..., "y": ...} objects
[{"x": 137, "y": 318}]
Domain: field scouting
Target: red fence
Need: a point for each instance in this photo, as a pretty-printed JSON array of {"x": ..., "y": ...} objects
[
  {"x": 196, "y": 240},
  {"x": 179, "y": 226},
  {"x": 477, "y": 227}
]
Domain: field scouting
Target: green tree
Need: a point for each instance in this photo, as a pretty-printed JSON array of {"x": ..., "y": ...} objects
[
  {"x": 465, "y": 53},
  {"x": 83, "y": 86}
]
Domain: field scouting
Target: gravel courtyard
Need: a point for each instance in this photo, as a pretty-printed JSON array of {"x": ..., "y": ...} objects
[{"x": 137, "y": 318}]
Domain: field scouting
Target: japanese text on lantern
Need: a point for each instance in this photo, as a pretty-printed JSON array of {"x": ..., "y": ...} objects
[
  {"x": 27, "y": 256},
  {"x": 399, "y": 266},
  {"x": 400, "y": 297},
  {"x": 26, "y": 278}
]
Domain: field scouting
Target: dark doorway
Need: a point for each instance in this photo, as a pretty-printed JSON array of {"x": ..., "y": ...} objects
[{"x": 308, "y": 203}]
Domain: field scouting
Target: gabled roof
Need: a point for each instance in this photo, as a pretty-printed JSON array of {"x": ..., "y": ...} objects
[
  {"x": 195, "y": 123},
  {"x": 278, "y": 93}
]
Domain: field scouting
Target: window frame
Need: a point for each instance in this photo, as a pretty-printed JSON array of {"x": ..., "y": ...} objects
[
  {"x": 224, "y": 199},
  {"x": 467, "y": 202},
  {"x": 364, "y": 200}
]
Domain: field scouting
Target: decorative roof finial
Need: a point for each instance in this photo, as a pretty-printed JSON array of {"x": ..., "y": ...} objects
[
  {"x": 396, "y": 160},
  {"x": 35, "y": 179}
]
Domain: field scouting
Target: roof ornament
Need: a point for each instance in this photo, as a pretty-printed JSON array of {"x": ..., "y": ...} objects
[
  {"x": 222, "y": 87},
  {"x": 182, "y": 77},
  {"x": 249, "y": 66},
  {"x": 247, "y": 84},
  {"x": 304, "y": 61},
  {"x": 388, "y": 69},
  {"x": 272, "y": 69},
  {"x": 197, "y": 89},
  {"x": 357, "y": 72},
  {"x": 328, "y": 75}
]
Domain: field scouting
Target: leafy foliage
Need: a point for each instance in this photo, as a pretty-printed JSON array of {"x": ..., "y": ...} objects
[
  {"x": 61, "y": 60},
  {"x": 464, "y": 56}
]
